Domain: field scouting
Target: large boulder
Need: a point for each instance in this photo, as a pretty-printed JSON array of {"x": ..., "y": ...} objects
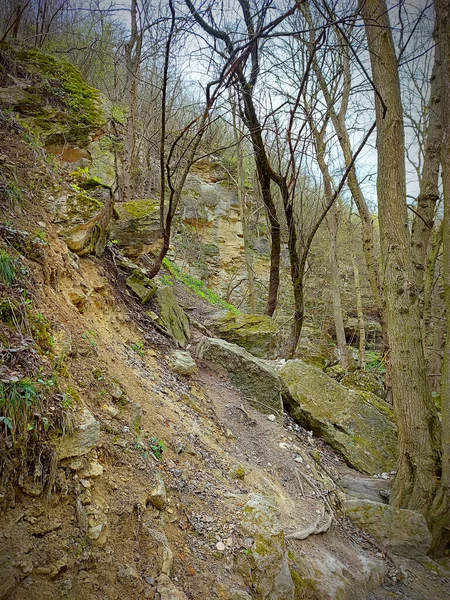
[
  {"x": 259, "y": 383},
  {"x": 268, "y": 556},
  {"x": 137, "y": 226},
  {"x": 142, "y": 286},
  {"x": 358, "y": 425},
  {"x": 403, "y": 532},
  {"x": 256, "y": 333},
  {"x": 172, "y": 317}
]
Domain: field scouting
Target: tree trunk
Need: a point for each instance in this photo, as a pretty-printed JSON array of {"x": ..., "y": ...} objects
[
  {"x": 440, "y": 511},
  {"x": 416, "y": 478},
  {"x": 359, "y": 312}
]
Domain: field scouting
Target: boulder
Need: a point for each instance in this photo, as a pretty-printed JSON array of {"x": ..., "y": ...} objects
[
  {"x": 167, "y": 590},
  {"x": 172, "y": 317},
  {"x": 358, "y": 425},
  {"x": 256, "y": 333},
  {"x": 366, "y": 488},
  {"x": 400, "y": 531},
  {"x": 318, "y": 355},
  {"x": 365, "y": 381},
  {"x": 137, "y": 225},
  {"x": 84, "y": 436},
  {"x": 268, "y": 557},
  {"x": 142, "y": 286},
  {"x": 260, "y": 384},
  {"x": 183, "y": 363}
]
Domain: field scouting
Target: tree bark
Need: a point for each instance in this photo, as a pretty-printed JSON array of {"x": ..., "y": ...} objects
[
  {"x": 416, "y": 478},
  {"x": 440, "y": 511}
]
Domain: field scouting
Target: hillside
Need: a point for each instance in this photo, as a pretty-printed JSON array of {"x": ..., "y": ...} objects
[{"x": 141, "y": 455}]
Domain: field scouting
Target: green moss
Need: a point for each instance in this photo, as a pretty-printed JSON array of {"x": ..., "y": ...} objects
[
  {"x": 198, "y": 287},
  {"x": 305, "y": 588},
  {"x": 139, "y": 209},
  {"x": 40, "y": 329},
  {"x": 75, "y": 111}
]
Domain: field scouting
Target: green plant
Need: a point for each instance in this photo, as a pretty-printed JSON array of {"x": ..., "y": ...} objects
[
  {"x": 19, "y": 400},
  {"x": 198, "y": 286},
  {"x": 98, "y": 374},
  {"x": 8, "y": 268},
  {"x": 375, "y": 362},
  {"x": 12, "y": 194},
  {"x": 157, "y": 447},
  {"x": 138, "y": 347},
  {"x": 90, "y": 337}
]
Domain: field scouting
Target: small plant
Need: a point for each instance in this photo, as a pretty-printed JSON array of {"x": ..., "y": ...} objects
[
  {"x": 8, "y": 268},
  {"x": 90, "y": 337},
  {"x": 375, "y": 362},
  {"x": 157, "y": 447},
  {"x": 18, "y": 401},
  {"x": 138, "y": 347},
  {"x": 98, "y": 374}
]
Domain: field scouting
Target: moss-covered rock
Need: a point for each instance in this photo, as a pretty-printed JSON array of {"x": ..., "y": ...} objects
[
  {"x": 52, "y": 100},
  {"x": 271, "y": 577},
  {"x": 137, "y": 225},
  {"x": 142, "y": 286},
  {"x": 402, "y": 532},
  {"x": 256, "y": 333},
  {"x": 365, "y": 381},
  {"x": 259, "y": 383},
  {"x": 318, "y": 355},
  {"x": 358, "y": 425},
  {"x": 172, "y": 317}
]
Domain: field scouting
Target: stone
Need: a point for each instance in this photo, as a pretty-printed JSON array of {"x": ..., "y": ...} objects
[
  {"x": 366, "y": 488},
  {"x": 365, "y": 381},
  {"x": 95, "y": 531},
  {"x": 220, "y": 546},
  {"x": 62, "y": 342},
  {"x": 158, "y": 495},
  {"x": 168, "y": 591},
  {"x": 137, "y": 226},
  {"x": 258, "y": 334},
  {"x": 260, "y": 384},
  {"x": 319, "y": 355},
  {"x": 183, "y": 363},
  {"x": 172, "y": 317},
  {"x": 116, "y": 391},
  {"x": 94, "y": 469},
  {"x": 84, "y": 436},
  {"x": 142, "y": 286},
  {"x": 268, "y": 558},
  {"x": 228, "y": 591},
  {"x": 360, "y": 426},
  {"x": 400, "y": 531},
  {"x": 238, "y": 472}
]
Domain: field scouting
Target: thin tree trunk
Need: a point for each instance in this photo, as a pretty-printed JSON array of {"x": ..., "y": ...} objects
[
  {"x": 440, "y": 511},
  {"x": 359, "y": 312},
  {"x": 416, "y": 478}
]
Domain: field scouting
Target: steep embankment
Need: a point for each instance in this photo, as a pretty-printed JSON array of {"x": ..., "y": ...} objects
[{"x": 121, "y": 478}]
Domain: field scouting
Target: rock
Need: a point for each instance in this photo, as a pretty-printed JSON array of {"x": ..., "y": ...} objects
[
  {"x": 112, "y": 411},
  {"x": 172, "y": 318},
  {"x": 137, "y": 225},
  {"x": 329, "y": 574},
  {"x": 268, "y": 558},
  {"x": 365, "y": 381},
  {"x": 220, "y": 546},
  {"x": 271, "y": 418},
  {"x": 94, "y": 469},
  {"x": 95, "y": 531},
  {"x": 142, "y": 286},
  {"x": 238, "y": 472},
  {"x": 116, "y": 391},
  {"x": 62, "y": 343},
  {"x": 228, "y": 591},
  {"x": 260, "y": 384},
  {"x": 319, "y": 355},
  {"x": 82, "y": 439},
  {"x": 158, "y": 495},
  {"x": 168, "y": 591},
  {"x": 183, "y": 363},
  {"x": 400, "y": 531},
  {"x": 256, "y": 333},
  {"x": 358, "y": 425},
  {"x": 366, "y": 489}
]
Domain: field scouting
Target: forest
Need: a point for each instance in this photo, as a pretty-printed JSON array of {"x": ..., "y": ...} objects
[{"x": 282, "y": 167}]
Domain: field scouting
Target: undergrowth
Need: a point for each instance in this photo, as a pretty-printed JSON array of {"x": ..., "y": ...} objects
[
  {"x": 8, "y": 268},
  {"x": 198, "y": 287}
]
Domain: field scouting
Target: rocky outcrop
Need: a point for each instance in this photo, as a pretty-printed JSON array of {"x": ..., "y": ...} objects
[
  {"x": 172, "y": 317},
  {"x": 85, "y": 435},
  {"x": 256, "y": 333},
  {"x": 142, "y": 286},
  {"x": 268, "y": 558},
  {"x": 365, "y": 381},
  {"x": 137, "y": 226},
  {"x": 358, "y": 425},
  {"x": 259, "y": 383},
  {"x": 400, "y": 531}
]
